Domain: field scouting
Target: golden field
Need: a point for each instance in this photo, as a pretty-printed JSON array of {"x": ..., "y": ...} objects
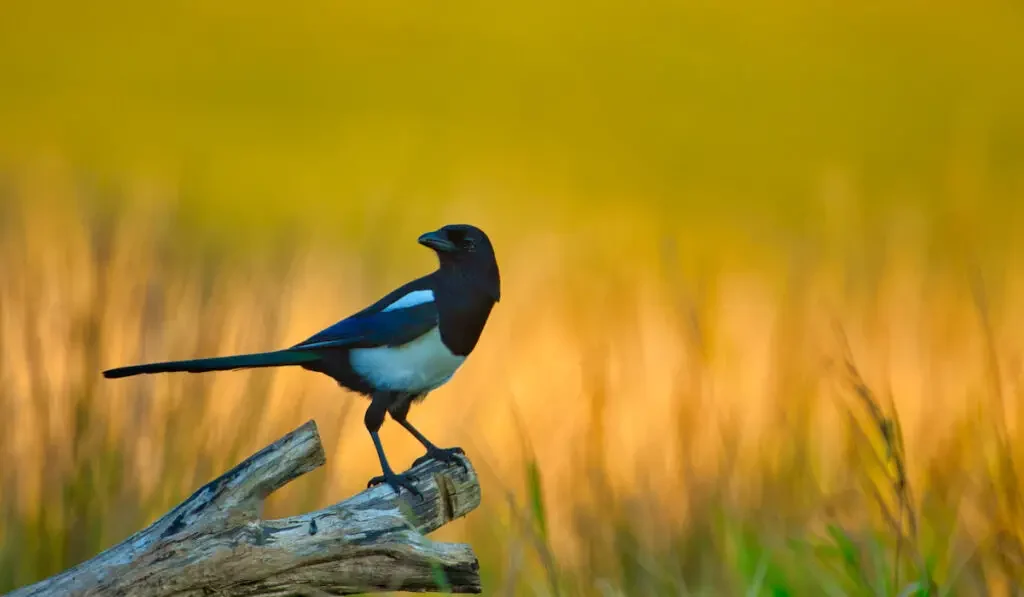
[{"x": 758, "y": 262}]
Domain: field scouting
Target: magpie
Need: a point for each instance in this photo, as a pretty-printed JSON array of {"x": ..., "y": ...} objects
[{"x": 397, "y": 350}]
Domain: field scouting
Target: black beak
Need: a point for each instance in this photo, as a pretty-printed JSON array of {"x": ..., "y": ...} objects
[{"x": 436, "y": 241}]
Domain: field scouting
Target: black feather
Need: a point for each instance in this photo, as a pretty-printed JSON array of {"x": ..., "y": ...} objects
[{"x": 277, "y": 358}]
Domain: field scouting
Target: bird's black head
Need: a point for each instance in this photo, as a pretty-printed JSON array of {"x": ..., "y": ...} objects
[{"x": 466, "y": 249}]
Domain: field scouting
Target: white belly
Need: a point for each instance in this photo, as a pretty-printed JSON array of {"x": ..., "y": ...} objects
[{"x": 418, "y": 366}]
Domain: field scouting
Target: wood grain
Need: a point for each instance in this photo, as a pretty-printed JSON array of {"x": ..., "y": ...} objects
[{"x": 216, "y": 544}]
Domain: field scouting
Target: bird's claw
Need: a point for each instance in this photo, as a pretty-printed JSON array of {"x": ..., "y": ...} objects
[
  {"x": 397, "y": 482},
  {"x": 445, "y": 455}
]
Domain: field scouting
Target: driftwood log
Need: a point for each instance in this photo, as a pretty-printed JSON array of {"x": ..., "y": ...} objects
[{"x": 216, "y": 544}]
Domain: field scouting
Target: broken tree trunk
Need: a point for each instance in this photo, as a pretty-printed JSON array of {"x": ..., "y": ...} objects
[{"x": 215, "y": 543}]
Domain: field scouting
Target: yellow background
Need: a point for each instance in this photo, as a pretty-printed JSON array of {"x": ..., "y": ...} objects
[{"x": 688, "y": 201}]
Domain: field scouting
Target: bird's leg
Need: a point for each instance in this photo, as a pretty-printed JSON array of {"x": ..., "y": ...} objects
[
  {"x": 373, "y": 420},
  {"x": 400, "y": 413},
  {"x": 433, "y": 452}
]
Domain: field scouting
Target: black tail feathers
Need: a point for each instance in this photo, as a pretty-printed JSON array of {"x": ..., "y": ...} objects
[{"x": 278, "y": 358}]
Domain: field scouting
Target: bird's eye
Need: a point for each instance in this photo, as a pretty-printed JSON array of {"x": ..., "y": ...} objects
[{"x": 469, "y": 245}]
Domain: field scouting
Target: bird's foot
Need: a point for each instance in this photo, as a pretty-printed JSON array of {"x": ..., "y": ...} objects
[
  {"x": 445, "y": 455},
  {"x": 397, "y": 482}
]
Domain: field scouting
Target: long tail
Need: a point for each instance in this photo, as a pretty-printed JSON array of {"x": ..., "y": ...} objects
[{"x": 243, "y": 361}]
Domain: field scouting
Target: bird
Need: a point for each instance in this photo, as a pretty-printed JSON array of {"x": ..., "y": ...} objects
[{"x": 395, "y": 351}]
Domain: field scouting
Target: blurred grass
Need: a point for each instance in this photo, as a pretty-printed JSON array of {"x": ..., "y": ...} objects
[{"x": 761, "y": 327}]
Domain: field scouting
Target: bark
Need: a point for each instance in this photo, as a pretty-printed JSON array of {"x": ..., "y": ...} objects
[{"x": 216, "y": 543}]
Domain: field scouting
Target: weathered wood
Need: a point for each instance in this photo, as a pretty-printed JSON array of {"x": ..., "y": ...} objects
[{"x": 215, "y": 543}]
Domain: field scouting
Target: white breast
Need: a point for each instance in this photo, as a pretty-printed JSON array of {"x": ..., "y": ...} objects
[{"x": 418, "y": 366}]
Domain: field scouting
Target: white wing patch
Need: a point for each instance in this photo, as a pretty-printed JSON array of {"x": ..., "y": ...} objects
[
  {"x": 416, "y": 297},
  {"x": 421, "y": 365}
]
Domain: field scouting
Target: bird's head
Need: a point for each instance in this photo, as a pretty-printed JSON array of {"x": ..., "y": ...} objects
[{"x": 466, "y": 249}]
